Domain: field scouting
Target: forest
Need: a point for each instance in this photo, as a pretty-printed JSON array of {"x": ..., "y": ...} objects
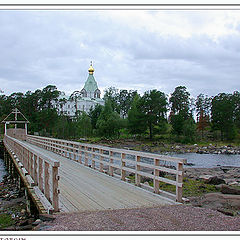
[{"x": 154, "y": 115}]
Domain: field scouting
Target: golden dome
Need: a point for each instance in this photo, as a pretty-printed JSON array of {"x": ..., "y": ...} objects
[{"x": 91, "y": 69}]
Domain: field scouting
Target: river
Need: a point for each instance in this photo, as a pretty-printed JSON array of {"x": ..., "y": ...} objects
[{"x": 209, "y": 160}]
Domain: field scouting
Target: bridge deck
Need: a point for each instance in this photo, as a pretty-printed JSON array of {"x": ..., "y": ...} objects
[{"x": 82, "y": 188}]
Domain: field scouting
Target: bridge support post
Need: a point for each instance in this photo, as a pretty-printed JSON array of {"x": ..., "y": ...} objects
[{"x": 179, "y": 181}]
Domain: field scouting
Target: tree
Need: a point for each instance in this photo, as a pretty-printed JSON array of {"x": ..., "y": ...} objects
[
  {"x": 49, "y": 95},
  {"x": 203, "y": 108},
  {"x": 136, "y": 119},
  {"x": 153, "y": 105},
  {"x": 94, "y": 115},
  {"x": 222, "y": 114},
  {"x": 109, "y": 122},
  {"x": 180, "y": 101},
  {"x": 203, "y": 122},
  {"x": 125, "y": 99},
  {"x": 111, "y": 95},
  {"x": 189, "y": 130},
  {"x": 84, "y": 126},
  {"x": 236, "y": 113}
]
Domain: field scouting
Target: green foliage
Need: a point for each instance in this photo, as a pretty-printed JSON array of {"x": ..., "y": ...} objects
[
  {"x": 84, "y": 126},
  {"x": 177, "y": 124},
  {"x": 180, "y": 101},
  {"x": 121, "y": 100},
  {"x": 136, "y": 120},
  {"x": 5, "y": 220},
  {"x": 189, "y": 131},
  {"x": 223, "y": 115},
  {"x": 94, "y": 115},
  {"x": 109, "y": 122},
  {"x": 127, "y": 114},
  {"x": 153, "y": 105}
]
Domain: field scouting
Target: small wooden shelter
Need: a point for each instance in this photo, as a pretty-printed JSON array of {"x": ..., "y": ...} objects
[{"x": 18, "y": 120}]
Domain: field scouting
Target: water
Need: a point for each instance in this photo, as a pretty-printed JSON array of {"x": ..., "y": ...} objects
[
  {"x": 209, "y": 160},
  {"x": 3, "y": 172}
]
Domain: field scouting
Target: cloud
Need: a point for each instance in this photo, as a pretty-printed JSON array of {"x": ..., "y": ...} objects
[{"x": 138, "y": 50}]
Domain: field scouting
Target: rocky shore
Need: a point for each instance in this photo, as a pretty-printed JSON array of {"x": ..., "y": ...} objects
[
  {"x": 226, "y": 199},
  {"x": 158, "y": 146},
  {"x": 210, "y": 149},
  {"x": 13, "y": 209}
]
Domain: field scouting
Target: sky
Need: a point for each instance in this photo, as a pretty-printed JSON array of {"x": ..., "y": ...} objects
[{"x": 130, "y": 49}]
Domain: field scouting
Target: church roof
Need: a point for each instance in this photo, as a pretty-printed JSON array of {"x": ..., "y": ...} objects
[{"x": 90, "y": 84}]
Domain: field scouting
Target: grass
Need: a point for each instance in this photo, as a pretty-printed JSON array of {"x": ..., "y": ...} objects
[
  {"x": 191, "y": 187},
  {"x": 5, "y": 220}
]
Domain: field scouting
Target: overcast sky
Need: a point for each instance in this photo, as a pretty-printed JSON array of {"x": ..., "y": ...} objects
[{"x": 138, "y": 50}]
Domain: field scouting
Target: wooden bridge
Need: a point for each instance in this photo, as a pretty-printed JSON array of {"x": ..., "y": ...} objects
[{"x": 69, "y": 176}]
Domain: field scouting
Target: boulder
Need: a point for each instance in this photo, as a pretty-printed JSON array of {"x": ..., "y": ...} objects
[
  {"x": 218, "y": 201},
  {"x": 211, "y": 179},
  {"x": 225, "y": 189}
]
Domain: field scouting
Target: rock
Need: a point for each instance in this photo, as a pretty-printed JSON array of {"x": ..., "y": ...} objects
[
  {"x": 218, "y": 201},
  {"x": 47, "y": 217},
  {"x": 219, "y": 187},
  {"x": 146, "y": 183},
  {"x": 227, "y": 212},
  {"x": 234, "y": 183},
  {"x": 211, "y": 179},
  {"x": 23, "y": 211},
  {"x": 216, "y": 180},
  {"x": 38, "y": 221},
  {"x": 229, "y": 190},
  {"x": 23, "y": 223},
  {"x": 24, "y": 228}
]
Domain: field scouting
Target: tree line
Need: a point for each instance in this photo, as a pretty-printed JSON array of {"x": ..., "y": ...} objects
[{"x": 128, "y": 114}]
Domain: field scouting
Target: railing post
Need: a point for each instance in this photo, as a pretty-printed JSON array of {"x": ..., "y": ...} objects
[
  {"x": 123, "y": 172},
  {"x": 55, "y": 192},
  {"x": 93, "y": 161},
  {"x": 85, "y": 156},
  {"x": 35, "y": 170},
  {"x": 156, "y": 174},
  {"x": 137, "y": 168},
  {"x": 31, "y": 163},
  {"x": 46, "y": 180},
  {"x": 101, "y": 164},
  {"x": 179, "y": 180},
  {"x": 40, "y": 174},
  {"x": 110, "y": 162},
  {"x": 74, "y": 152},
  {"x": 80, "y": 154}
]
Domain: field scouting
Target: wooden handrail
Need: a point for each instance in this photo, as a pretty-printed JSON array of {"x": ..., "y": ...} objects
[
  {"x": 42, "y": 169},
  {"x": 96, "y": 153}
]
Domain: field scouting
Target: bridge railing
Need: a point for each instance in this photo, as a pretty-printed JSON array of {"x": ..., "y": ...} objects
[
  {"x": 43, "y": 170},
  {"x": 142, "y": 165}
]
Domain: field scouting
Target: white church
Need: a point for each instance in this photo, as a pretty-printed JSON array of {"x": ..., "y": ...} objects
[{"x": 81, "y": 101}]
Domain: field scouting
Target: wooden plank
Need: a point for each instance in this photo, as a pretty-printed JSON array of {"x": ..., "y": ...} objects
[
  {"x": 24, "y": 171},
  {"x": 30, "y": 180},
  {"x": 47, "y": 205}
]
